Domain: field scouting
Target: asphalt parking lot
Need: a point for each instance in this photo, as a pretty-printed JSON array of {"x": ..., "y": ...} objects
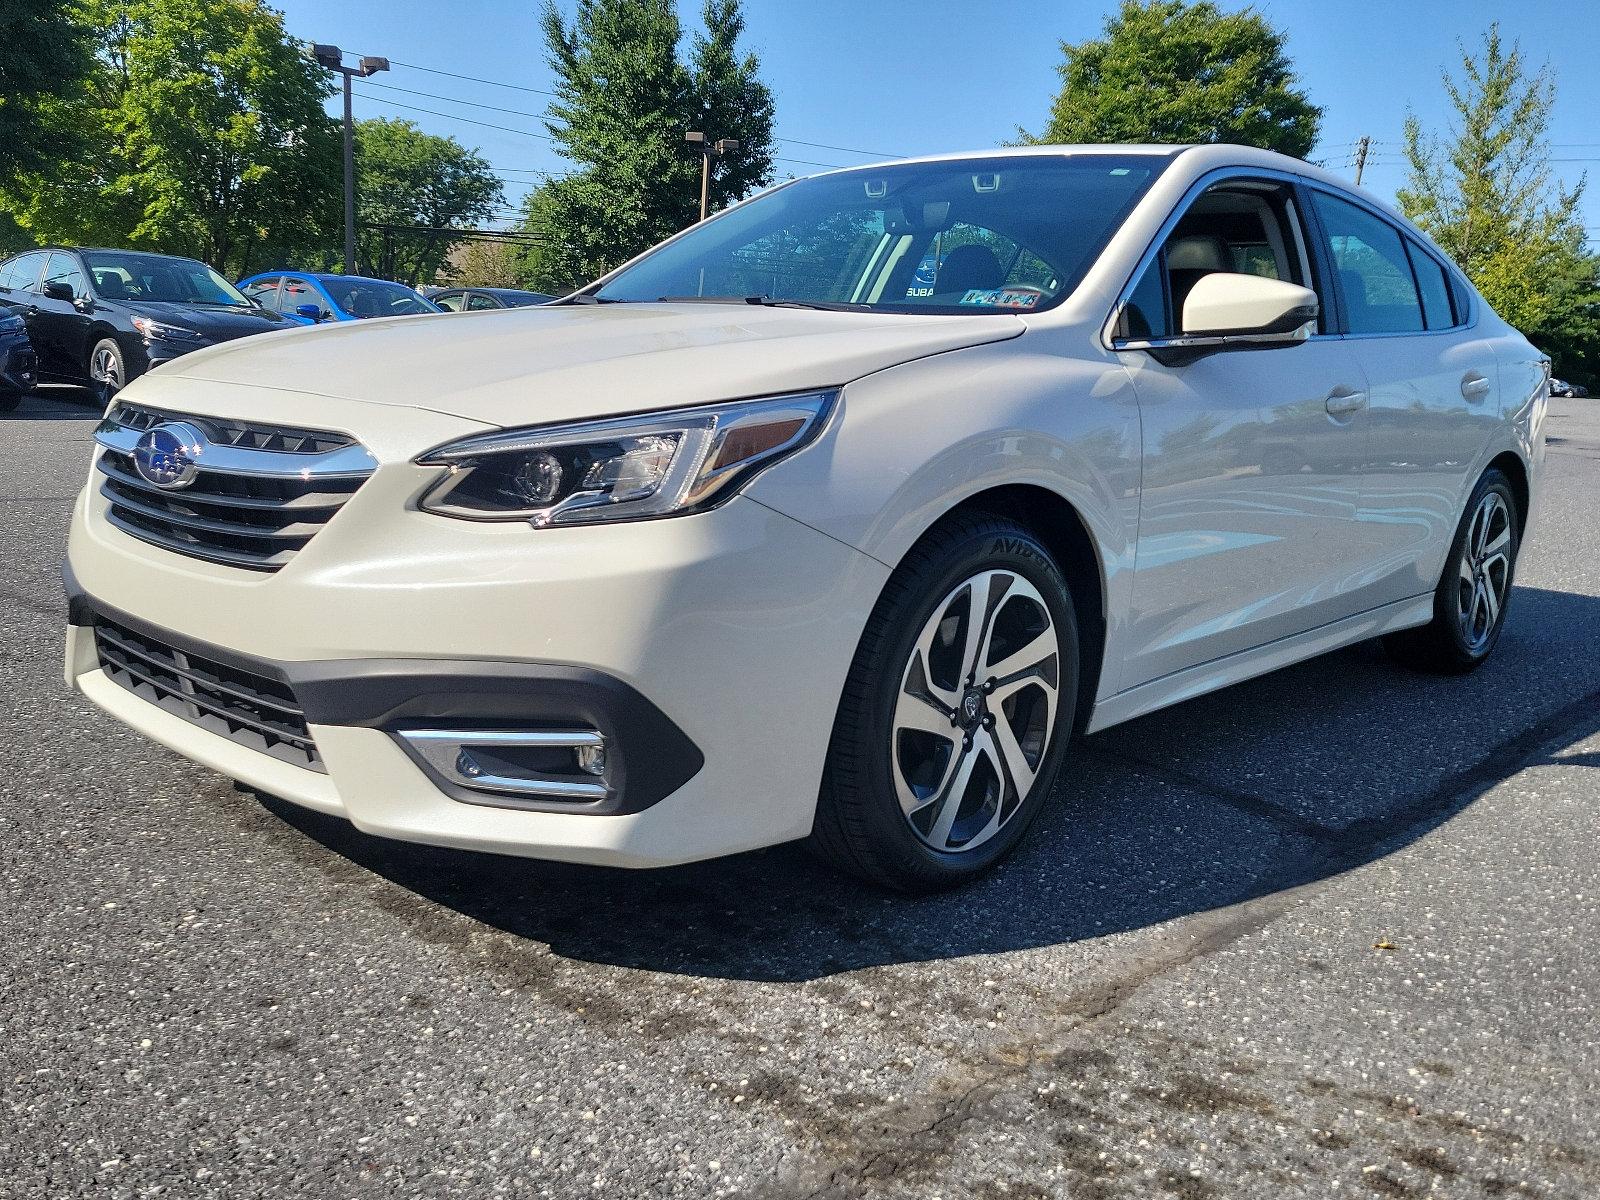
[{"x": 1176, "y": 989}]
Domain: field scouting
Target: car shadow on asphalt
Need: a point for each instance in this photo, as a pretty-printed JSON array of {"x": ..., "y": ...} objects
[
  {"x": 58, "y": 404},
  {"x": 1264, "y": 786}
]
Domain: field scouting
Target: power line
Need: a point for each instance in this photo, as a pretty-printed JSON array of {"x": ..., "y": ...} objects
[{"x": 518, "y": 87}]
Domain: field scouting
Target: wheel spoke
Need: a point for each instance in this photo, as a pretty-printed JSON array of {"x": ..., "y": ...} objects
[
  {"x": 988, "y": 597},
  {"x": 1491, "y": 604},
  {"x": 1010, "y": 750},
  {"x": 949, "y": 801},
  {"x": 920, "y": 711},
  {"x": 1468, "y": 577},
  {"x": 1497, "y": 546}
]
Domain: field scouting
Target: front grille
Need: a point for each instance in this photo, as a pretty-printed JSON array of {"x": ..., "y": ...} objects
[
  {"x": 261, "y": 492},
  {"x": 249, "y": 708},
  {"x": 227, "y": 432}
]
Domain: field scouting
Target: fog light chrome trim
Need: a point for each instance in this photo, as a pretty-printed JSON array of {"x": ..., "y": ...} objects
[{"x": 449, "y": 752}]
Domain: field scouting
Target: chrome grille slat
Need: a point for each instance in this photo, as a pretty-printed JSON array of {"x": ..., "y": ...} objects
[
  {"x": 261, "y": 492},
  {"x": 110, "y": 465},
  {"x": 168, "y": 511},
  {"x": 251, "y": 709}
]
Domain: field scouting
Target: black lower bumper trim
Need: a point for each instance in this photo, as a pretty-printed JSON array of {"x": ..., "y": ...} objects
[{"x": 648, "y": 756}]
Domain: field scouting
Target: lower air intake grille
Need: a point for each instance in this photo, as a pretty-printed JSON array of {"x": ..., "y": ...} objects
[{"x": 253, "y": 710}]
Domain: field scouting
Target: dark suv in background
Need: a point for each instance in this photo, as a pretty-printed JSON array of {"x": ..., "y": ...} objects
[
  {"x": 104, "y": 317},
  {"x": 18, "y": 366}
]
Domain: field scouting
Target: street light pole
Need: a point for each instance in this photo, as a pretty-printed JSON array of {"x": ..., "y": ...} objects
[
  {"x": 709, "y": 151},
  {"x": 332, "y": 58}
]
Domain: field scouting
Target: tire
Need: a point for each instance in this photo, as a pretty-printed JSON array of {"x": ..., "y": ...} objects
[
  {"x": 10, "y": 401},
  {"x": 1469, "y": 605},
  {"x": 900, "y": 805},
  {"x": 108, "y": 369}
]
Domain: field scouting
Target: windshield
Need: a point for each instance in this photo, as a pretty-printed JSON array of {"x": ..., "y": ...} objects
[
  {"x": 965, "y": 236},
  {"x": 374, "y": 298},
  {"x": 168, "y": 280}
]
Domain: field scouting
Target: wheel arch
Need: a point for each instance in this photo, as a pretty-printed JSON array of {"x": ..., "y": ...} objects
[
  {"x": 1056, "y": 521},
  {"x": 1510, "y": 465}
]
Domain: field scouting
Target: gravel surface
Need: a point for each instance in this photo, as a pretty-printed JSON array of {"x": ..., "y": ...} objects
[{"x": 1329, "y": 933}]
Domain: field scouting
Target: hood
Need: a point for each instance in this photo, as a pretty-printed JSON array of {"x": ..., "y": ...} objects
[
  {"x": 214, "y": 321},
  {"x": 526, "y": 366}
]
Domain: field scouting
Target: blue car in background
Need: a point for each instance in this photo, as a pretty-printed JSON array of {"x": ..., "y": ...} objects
[{"x": 310, "y": 299}]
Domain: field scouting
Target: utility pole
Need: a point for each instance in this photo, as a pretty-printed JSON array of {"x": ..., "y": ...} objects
[
  {"x": 1361, "y": 157},
  {"x": 709, "y": 151},
  {"x": 332, "y": 58}
]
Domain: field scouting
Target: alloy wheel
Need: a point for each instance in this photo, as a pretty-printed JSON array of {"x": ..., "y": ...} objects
[
  {"x": 1484, "y": 572},
  {"x": 976, "y": 711},
  {"x": 106, "y": 372}
]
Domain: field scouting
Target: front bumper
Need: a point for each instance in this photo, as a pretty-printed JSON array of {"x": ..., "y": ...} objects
[
  {"x": 734, "y": 628},
  {"x": 19, "y": 366}
]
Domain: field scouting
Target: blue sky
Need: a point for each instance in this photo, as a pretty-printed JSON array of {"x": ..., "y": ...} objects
[{"x": 896, "y": 77}]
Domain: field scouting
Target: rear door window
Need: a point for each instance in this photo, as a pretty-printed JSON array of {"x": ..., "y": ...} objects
[
  {"x": 22, "y": 273},
  {"x": 1433, "y": 286},
  {"x": 1380, "y": 294},
  {"x": 477, "y": 302}
]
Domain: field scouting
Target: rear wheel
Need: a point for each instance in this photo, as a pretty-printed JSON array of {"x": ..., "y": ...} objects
[
  {"x": 956, "y": 711},
  {"x": 1469, "y": 606}
]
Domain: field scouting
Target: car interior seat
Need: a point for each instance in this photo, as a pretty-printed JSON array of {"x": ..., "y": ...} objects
[
  {"x": 1189, "y": 260},
  {"x": 110, "y": 285},
  {"x": 968, "y": 267}
]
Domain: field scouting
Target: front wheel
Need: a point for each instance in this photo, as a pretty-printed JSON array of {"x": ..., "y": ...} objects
[
  {"x": 956, "y": 711},
  {"x": 1469, "y": 606},
  {"x": 107, "y": 369}
]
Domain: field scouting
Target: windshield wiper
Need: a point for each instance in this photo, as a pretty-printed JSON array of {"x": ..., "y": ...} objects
[
  {"x": 590, "y": 298},
  {"x": 769, "y": 302}
]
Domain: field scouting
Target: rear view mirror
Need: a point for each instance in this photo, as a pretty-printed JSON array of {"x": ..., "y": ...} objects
[
  {"x": 55, "y": 289},
  {"x": 313, "y": 311}
]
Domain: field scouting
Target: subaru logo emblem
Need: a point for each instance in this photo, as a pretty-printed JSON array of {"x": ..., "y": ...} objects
[{"x": 166, "y": 455}]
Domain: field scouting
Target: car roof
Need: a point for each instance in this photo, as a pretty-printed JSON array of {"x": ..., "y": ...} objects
[{"x": 115, "y": 250}]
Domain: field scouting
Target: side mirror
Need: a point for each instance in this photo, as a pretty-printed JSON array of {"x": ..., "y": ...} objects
[
  {"x": 1249, "y": 306},
  {"x": 313, "y": 311},
  {"x": 57, "y": 290},
  {"x": 1228, "y": 311}
]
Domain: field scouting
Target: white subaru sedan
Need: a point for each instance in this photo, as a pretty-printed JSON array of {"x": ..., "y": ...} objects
[{"x": 836, "y": 516}]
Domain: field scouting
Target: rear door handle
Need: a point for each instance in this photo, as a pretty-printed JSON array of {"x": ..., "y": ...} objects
[
  {"x": 1474, "y": 387},
  {"x": 1343, "y": 401}
]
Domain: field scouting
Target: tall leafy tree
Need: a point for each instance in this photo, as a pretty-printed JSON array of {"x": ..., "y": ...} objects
[
  {"x": 45, "y": 61},
  {"x": 206, "y": 136},
  {"x": 1487, "y": 195},
  {"x": 625, "y": 100},
  {"x": 1182, "y": 71},
  {"x": 405, "y": 177}
]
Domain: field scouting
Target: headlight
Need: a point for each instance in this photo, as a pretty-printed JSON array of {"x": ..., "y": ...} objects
[
  {"x": 160, "y": 331},
  {"x": 654, "y": 465}
]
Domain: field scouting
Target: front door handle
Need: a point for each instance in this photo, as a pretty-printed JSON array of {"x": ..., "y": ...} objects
[
  {"x": 1343, "y": 401},
  {"x": 1474, "y": 387}
]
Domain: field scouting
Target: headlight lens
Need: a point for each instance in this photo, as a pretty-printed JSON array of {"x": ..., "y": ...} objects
[
  {"x": 655, "y": 465},
  {"x": 160, "y": 331}
]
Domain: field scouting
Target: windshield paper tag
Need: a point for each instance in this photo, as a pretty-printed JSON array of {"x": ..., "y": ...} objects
[{"x": 1000, "y": 298}]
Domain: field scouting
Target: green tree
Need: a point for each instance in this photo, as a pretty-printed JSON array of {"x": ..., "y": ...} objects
[
  {"x": 45, "y": 60},
  {"x": 1182, "y": 71},
  {"x": 407, "y": 177},
  {"x": 205, "y": 135},
  {"x": 1487, "y": 195},
  {"x": 625, "y": 100}
]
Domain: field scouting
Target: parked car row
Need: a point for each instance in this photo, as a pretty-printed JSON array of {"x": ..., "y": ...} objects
[{"x": 104, "y": 317}]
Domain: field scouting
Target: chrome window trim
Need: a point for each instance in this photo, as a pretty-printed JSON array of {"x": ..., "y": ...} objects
[{"x": 1270, "y": 174}]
